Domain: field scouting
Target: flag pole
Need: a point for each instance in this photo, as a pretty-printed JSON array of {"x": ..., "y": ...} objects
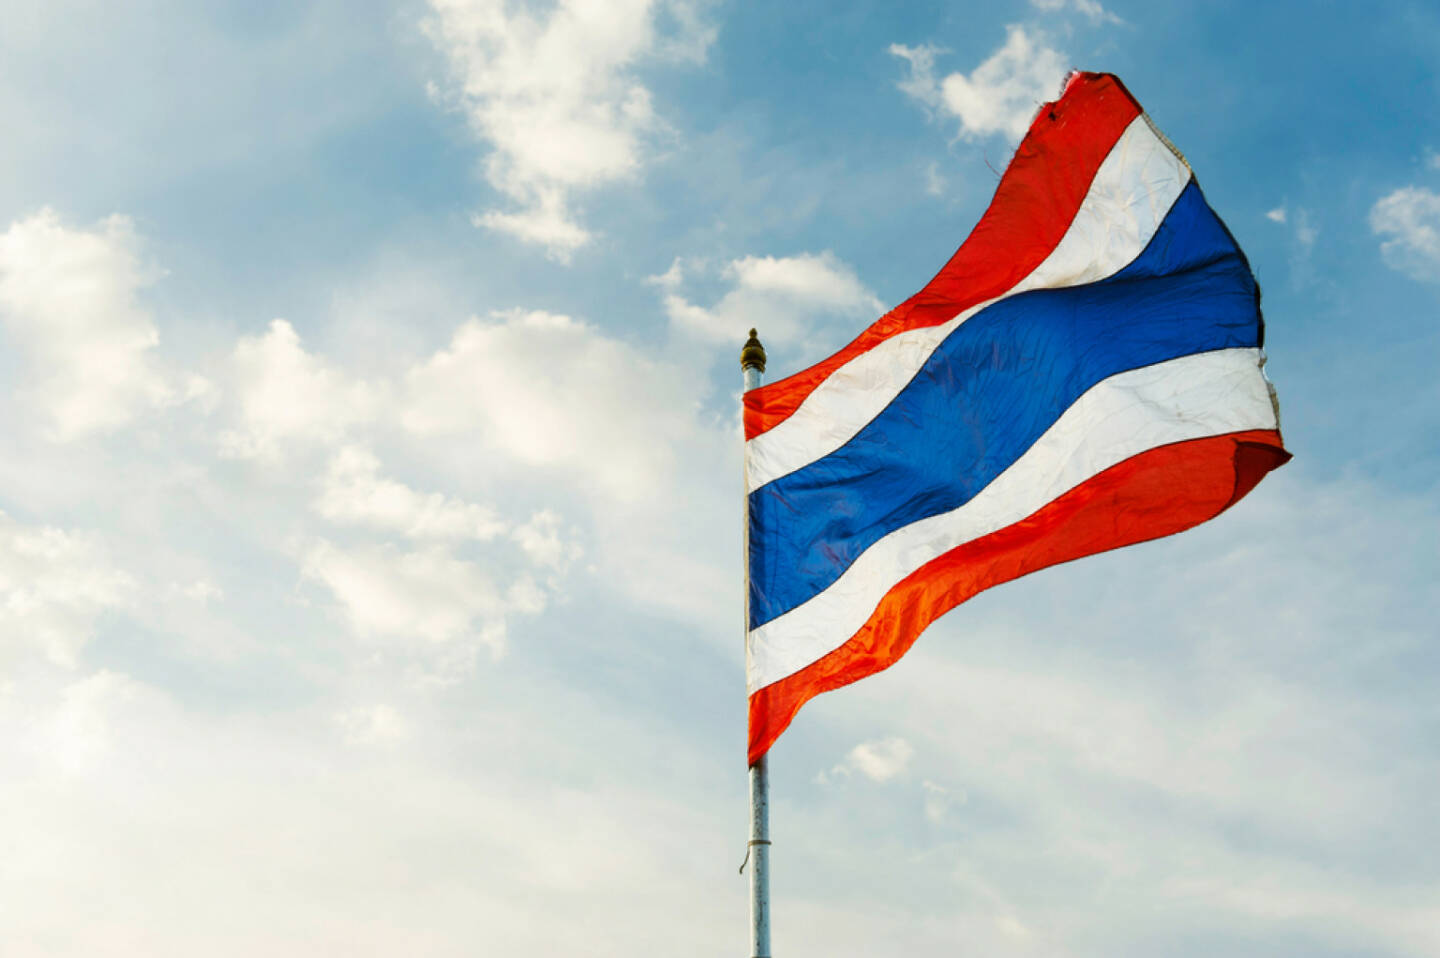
[{"x": 752, "y": 362}]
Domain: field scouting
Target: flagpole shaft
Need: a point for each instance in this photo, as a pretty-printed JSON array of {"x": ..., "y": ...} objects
[
  {"x": 752, "y": 361},
  {"x": 760, "y": 858}
]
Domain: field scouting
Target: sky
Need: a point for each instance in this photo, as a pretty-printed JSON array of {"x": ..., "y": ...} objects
[{"x": 370, "y": 494}]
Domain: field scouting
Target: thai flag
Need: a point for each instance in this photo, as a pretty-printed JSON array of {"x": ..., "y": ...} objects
[{"x": 1084, "y": 373}]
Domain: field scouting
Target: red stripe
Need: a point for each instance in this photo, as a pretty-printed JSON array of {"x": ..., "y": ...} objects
[
  {"x": 1034, "y": 205},
  {"x": 1156, "y": 493}
]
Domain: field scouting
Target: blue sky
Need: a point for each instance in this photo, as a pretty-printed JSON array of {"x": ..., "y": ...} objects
[{"x": 369, "y": 557}]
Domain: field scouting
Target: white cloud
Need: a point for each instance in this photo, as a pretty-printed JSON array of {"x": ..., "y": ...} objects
[
  {"x": 54, "y": 586},
  {"x": 1432, "y": 159},
  {"x": 672, "y": 278},
  {"x": 879, "y": 761},
  {"x": 547, "y": 222},
  {"x": 550, "y": 391},
  {"x": 1090, "y": 8},
  {"x": 555, "y": 96},
  {"x": 355, "y": 493},
  {"x": 781, "y": 296},
  {"x": 1410, "y": 216},
  {"x": 282, "y": 394},
  {"x": 428, "y": 594},
  {"x": 70, "y": 302},
  {"x": 1277, "y": 215},
  {"x": 1000, "y": 96}
]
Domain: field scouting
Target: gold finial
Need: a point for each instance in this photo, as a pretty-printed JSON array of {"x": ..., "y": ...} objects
[{"x": 752, "y": 354}]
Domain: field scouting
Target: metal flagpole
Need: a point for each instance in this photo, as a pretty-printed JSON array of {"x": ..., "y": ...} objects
[{"x": 752, "y": 361}]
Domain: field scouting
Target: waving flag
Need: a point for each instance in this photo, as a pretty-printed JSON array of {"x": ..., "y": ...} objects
[{"x": 1084, "y": 373}]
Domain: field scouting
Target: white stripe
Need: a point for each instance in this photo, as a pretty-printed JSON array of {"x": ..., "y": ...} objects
[
  {"x": 1205, "y": 394},
  {"x": 1134, "y": 188}
]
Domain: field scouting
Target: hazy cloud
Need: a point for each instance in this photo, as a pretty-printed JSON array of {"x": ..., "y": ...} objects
[
  {"x": 542, "y": 541},
  {"x": 70, "y": 302},
  {"x": 1303, "y": 236},
  {"x": 1305, "y": 233},
  {"x": 355, "y": 493},
  {"x": 54, "y": 585},
  {"x": 427, "y": 594},
  {"x": 199, "y": 590},
  {"x": 375, "y": 725},
  {"x": 79, "y": 734},
  {"x": 934, "y": 182},
  {"x": 939, "y": 801},
  {"x": 545, "y": 390}
]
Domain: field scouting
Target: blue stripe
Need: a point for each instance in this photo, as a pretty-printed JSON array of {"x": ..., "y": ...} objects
[{"x": 989, "y": 391}]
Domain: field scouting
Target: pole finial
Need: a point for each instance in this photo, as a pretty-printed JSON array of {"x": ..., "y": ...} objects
[{"x": 752, "y": 353}]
